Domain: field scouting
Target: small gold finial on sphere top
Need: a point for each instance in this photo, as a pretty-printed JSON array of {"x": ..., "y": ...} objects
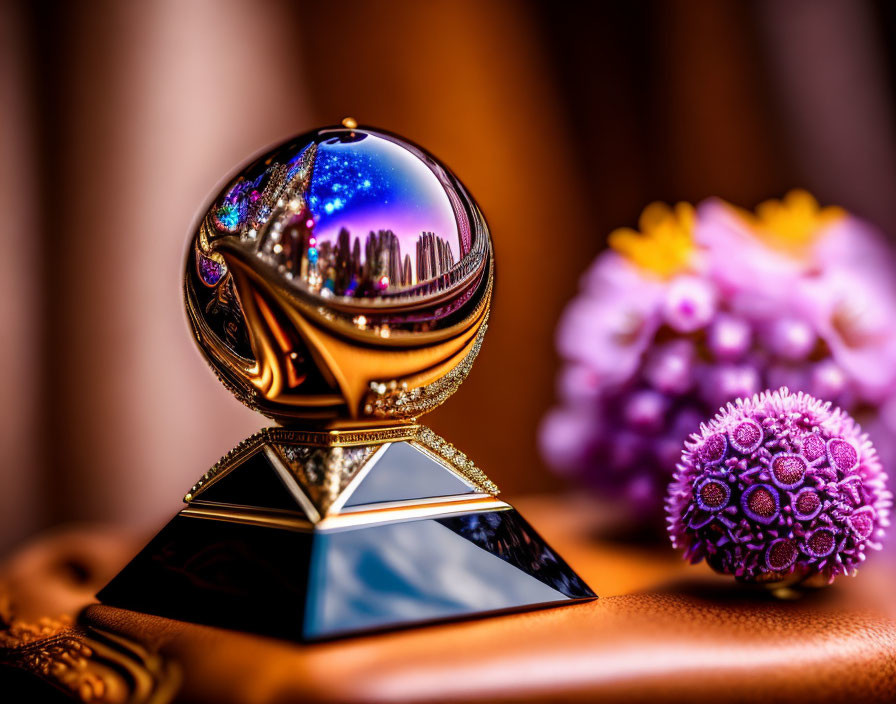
[{"x": 345, "y": 275}]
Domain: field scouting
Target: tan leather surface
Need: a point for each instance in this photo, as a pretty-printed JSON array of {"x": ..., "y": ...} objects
[
  {"x": 661, "y": 631},
  {"x": 60, "y": 571}
]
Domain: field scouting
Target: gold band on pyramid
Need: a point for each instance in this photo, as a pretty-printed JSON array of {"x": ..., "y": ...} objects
[
  {"x": 328, "y": 479},
  {"x": 324, "y": 463}
]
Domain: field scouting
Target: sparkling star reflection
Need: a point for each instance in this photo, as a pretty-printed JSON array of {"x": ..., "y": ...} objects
[{"x": 373, "y": 184}]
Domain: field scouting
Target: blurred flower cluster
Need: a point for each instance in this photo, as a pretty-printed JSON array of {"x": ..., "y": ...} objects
[{"x": 706, "y": 305}]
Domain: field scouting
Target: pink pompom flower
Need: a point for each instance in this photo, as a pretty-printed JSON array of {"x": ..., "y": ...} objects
[{"x": 778, "y": 487}]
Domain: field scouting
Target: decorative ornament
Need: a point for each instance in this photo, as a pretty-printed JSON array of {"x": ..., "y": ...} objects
[
  {"x": 341, "y": 285},
  {"x": 778, "y": 487},
  {"x": 344, "y": 274}
]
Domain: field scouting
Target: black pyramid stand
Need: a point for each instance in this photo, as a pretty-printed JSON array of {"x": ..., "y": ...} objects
[{"x": 310, "y": 536}]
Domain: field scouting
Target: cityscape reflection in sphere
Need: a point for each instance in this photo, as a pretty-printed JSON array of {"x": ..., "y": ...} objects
[{"x": 345, "y": 274}]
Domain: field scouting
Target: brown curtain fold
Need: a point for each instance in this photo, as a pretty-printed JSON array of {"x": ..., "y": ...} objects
[
  {"x": 836, "y": 100},
  {"x": 22, "y": 451}
]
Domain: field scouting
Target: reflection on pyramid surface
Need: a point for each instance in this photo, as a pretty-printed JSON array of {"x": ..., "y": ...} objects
[
  {"x": 403, "y": 472},
  {"x": 291, "y": 537},
  {"x": 429, "y": 570}
]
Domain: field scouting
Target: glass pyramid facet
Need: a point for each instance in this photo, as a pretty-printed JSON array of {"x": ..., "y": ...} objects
[
  {"x": 424, "y": 570},
  {"x": 403, "y": 473},
  {"x": 255, "y": 482}
]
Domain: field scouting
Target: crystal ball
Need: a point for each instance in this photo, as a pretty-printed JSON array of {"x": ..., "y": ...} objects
[{"x": 344, "y": 274}]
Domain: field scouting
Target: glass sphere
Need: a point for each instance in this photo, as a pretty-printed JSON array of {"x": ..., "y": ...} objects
[
  {"x": 353, "y": 229},
  {"x": 351, "y": 213}
]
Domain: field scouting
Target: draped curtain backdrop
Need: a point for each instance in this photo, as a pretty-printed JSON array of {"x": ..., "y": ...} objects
[{"x": 119, "y": 119}]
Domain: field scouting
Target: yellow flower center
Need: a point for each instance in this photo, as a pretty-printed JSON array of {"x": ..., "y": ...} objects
[
  {"x": 793, "y": 223},
  {"x": 665, "y": 242}
]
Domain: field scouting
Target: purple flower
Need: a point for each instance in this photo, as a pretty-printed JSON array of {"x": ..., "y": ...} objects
[
  {"x": 609, "y": 330},
  {"x": 704, "y": 306},
  {"x": 778, "y": 485},
  {"x": 690, "y": 304}
]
